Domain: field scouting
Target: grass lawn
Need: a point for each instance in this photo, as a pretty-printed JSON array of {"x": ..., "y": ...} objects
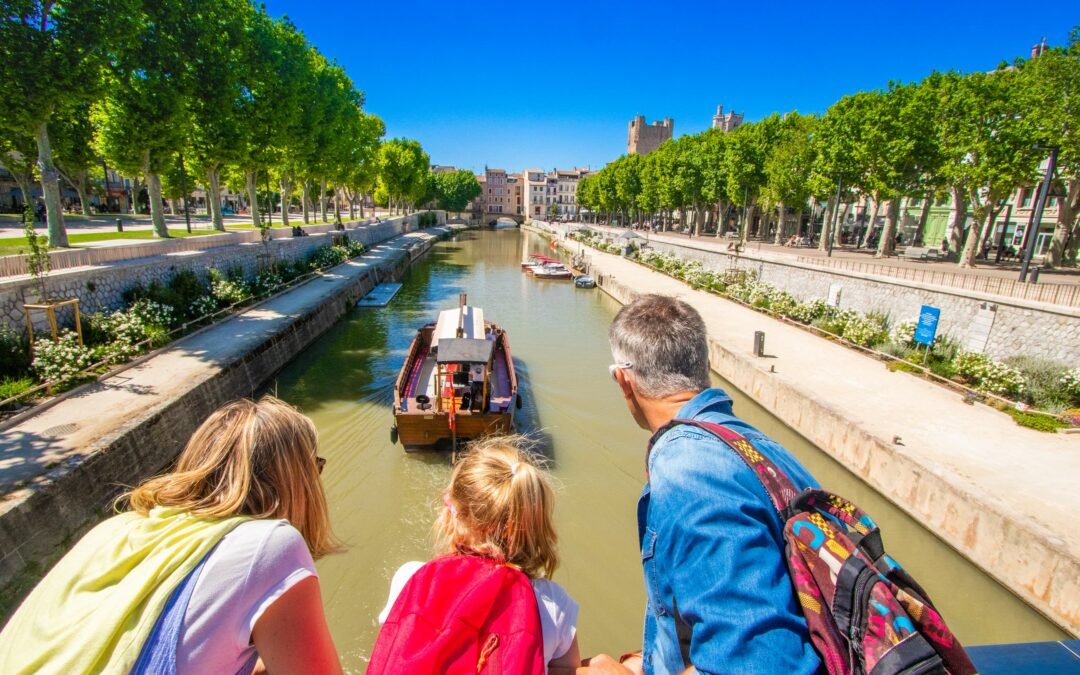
[{"x": 16, "y": 245}]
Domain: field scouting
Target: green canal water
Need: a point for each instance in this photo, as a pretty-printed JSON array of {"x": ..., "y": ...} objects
[{"x": 382, "y": 500}]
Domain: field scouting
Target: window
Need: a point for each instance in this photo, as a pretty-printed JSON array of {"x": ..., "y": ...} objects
[{"x": 1025, "y": 197}]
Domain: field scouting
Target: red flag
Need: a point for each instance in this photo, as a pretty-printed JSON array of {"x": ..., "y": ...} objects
[{"x": 554, "y": 245}]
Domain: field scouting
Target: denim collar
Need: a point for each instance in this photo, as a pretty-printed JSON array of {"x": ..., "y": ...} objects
[{"x": 709, "y": 400}]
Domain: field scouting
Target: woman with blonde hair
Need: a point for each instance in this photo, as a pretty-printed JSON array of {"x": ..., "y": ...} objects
[
  {"x": 210, "y": 571},
  {"x": 494, "y": 531}
]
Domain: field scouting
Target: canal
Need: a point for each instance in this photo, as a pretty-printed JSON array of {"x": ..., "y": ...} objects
[{"x": 383, "y": 500}]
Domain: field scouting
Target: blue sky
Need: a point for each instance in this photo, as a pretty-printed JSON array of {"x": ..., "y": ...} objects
[{"x": 521, "y": 84}]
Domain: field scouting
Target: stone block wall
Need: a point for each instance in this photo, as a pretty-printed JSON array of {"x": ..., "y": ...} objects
[
  {"x": 1019, "y": 326},
  {"x": 101, "y": 288}
]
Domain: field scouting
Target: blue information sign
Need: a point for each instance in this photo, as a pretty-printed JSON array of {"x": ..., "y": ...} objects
[{"x": 927, "y": 327}]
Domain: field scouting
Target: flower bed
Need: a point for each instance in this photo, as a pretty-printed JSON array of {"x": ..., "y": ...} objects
[
  {"x": 154, "y": 316},
  {"x": 1037, "y": 393}
]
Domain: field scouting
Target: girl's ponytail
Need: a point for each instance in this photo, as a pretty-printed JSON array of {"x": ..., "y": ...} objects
[{"x": 500, "y": 504}]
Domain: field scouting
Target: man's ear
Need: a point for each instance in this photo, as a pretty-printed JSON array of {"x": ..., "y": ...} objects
[{"x": 624, "y": 383}]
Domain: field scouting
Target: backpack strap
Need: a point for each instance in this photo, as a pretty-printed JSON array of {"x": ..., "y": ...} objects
[{"x": 779, "y": 487}]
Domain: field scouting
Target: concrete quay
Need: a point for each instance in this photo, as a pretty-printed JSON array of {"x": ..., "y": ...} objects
[
  {"x": 60, "y": 469},
  {"x": 1004, "y": 496}
]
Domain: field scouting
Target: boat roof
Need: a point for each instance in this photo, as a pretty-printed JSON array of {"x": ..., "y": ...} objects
[
  {"x": 447, "y": 324},
  {"x": 464, "y": 350}
]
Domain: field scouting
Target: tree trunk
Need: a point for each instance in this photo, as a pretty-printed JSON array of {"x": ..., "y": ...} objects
[
  {"x": 984, "y": 219},
  {"x": 1067, "y": 208},
  {"x": 80, "y": 187},
  {"x": 153, "y": 191},
  {"x": 957, "y": 219},
  {"x": 751, "y": 214},
  {"x": 213, "y": 185},
  {"x": 50, "y": 187},
  {"x": 286, "y": 199},
  {"x": 250, "y": 178},
  {"x": 351, "y": 196},
  {"x": 865, "y": 243},
  {"x": 887, "y": 242},
  {"x": 779, "y": 238},
  {"x": 924, "y": 216},
  {"x": 304, "y": 200},
  {"x": 322, "y": 199},
  {"x": 826, "y": 224}
]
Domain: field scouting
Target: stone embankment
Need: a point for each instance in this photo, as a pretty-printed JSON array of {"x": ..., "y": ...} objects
[
  {"x": 61, "y": 469},
  {"x": 1004, "y": 496},
  {"x": 996, "y": 325}
]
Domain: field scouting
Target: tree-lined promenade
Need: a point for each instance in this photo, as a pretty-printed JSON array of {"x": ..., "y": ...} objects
[
  {"x": 172, "y": 93},
  {"x": 973, "y": 137}
]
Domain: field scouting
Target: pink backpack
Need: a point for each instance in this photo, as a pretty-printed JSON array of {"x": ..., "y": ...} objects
[
  {"x": 864, "y": 612},
  {"x": 462, "y": 614}
]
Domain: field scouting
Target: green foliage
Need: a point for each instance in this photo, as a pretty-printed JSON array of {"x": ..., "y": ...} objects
[
  {"x": 14, "y": 352},
  {"x": 12, "y": 387},
  {"x": 37, "y": 257},
  {"x": 902, "y": 367},
  {"x": 1044, "y": 423},
  {"x": 454, "y": 191},
  {"x": 1044, "y": 382},
  {"x": 228, "y": 289}
]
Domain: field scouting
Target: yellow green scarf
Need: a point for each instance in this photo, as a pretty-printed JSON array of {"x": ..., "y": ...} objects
[{"x": 94, "y": 610}]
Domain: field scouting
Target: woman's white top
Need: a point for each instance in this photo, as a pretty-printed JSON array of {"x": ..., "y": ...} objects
[
  {"x": 250, "y": 568},
  {"x": 558, "y": 611}
]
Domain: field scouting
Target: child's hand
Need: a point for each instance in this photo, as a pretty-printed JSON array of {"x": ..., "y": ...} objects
[{"x": 602, "y": 664}]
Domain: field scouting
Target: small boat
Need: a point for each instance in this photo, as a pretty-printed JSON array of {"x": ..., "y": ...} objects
[
  {"x": 584, "y": 281},
  {"x": 457, "y": 382},
  {"x": 552, "y": 271},
  {"x": 536, "y": 260}
]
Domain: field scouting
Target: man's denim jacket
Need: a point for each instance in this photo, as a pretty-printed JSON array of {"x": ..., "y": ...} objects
[{"x": 713, "y": 554}]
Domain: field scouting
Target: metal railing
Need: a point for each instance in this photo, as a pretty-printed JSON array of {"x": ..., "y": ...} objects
[{"x": 1052, "y": 294}]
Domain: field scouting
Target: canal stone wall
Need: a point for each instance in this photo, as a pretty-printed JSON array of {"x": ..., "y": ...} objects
[
  {"x": 40, "y": 520},
  {"x": 1023, "y": 555},
  {"x": 1015, "y": 326},
  {"x": 101, "y": 288}
]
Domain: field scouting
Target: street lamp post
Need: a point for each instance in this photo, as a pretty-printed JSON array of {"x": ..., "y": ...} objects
[{"x": 1032, "y": 234}]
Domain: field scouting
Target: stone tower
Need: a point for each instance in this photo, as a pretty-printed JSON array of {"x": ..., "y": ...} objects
[
  {"x": 726, "y": 122},
  {"x": 643, "y": 138}
]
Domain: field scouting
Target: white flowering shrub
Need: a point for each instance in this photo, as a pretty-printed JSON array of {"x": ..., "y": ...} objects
[
  {"x": 152, "y": 313},
  {"x": 228, "y": 291},
  {"x": 60, "y": 362},
  {"x": 203, "y": 305},
  {"x": 1070, "y": 384},
  {"x": 989, "y": 375},
  {"x": 808, "y": 312},
  {"x": 266, "y": 281},
  {"x": 904, "y": 333},
  {"x": 865, "y": 331}
]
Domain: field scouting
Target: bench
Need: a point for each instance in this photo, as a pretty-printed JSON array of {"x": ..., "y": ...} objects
[{"x": 916, "y": 253}]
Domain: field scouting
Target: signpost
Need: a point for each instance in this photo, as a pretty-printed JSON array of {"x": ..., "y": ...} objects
[{"x": 926, "y": 329}]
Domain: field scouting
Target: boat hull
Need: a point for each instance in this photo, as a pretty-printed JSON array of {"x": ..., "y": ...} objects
[
  {"x": 420, "y": 431},
  {"x": 425, "y": 426}
]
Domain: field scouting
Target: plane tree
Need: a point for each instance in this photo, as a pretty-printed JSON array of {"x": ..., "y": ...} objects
[
  {"x": 51, "y": 55},
  {"x": 454, "y": 191},
  {"x": 788, "y": 167}
]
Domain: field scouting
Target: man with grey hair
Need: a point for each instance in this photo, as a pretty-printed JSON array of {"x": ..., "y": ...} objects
[{"x": 719, "y": 596}]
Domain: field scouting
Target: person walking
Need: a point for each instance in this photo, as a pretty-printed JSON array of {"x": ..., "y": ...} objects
[
  {"x": 719, "y": 595},
  {"x": 211, "y": 570}
]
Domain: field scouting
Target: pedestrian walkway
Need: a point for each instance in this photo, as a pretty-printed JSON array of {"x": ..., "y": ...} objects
[
  {"x": 71, "y": 430},
  {"x": 1004, "y": 495}
]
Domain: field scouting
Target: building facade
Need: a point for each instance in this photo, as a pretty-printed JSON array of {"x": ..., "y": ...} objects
[
  {"x": 643, "y": 138},
  {"x": 552, "y": 194},
  {"x": 726, "y": 122}
]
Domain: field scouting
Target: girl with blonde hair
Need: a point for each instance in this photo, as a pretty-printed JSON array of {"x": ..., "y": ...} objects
[
  {"x": 210, "y": 571},
  {"x": 499, "y": 506}
]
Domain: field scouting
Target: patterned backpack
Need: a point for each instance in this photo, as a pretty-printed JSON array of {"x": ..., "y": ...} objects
[
  {"x": 462, "y": 614},
  {"x": 864, "y": 612}
]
